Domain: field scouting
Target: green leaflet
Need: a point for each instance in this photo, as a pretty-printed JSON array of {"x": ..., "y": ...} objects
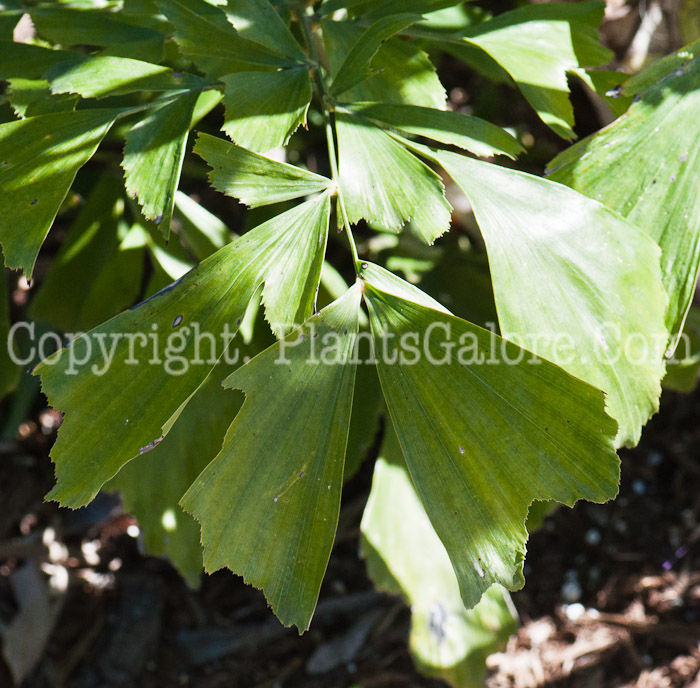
[
  {"x": 385, "y": 184},
  {"x": 39, "y": 158},
  {"x": 97, "y": 271},
  {"x": 263, "y": 109},
  {"x": 406, "y": 557},
  {"x": 646, "y": 166},
  {"x": 254, "y": 179},
  {"x": 486, "y": 428},
  {"x": 538, "y": 45},
  {"x": 257, "y": 20},
  {"x": 269, "y": 503},
  {"x": 357, "y": 65},
  {"x": 122, "y": 387},
  {"x": 96, "y": 77},
  {"x": 24, "y": 61},
  {"x": 471, "y": 133},
  {"x": 205, "y": 35},
  {"x": 153, "y": 156},
  {"x": 405, "y": 74},
  {"x": 597, "y": 305},
  {"x": 32, "y": 97},
  {"x": 173, "y": 465}
]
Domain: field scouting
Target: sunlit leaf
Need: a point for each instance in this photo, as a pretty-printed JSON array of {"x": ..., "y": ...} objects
[
  {"x": 269, "y": 503},
  {"x": 254, "y": 179},
  {"x": 123, "y": 384},
  {"x": 471, "y": 133},
  {"x": 538, "y": 45},
  {"x": 385, "y": 184},
  {"x": 405, "y": 74},
  {"x": 153, "y": 156},
  {"x": 39, "y": 158},
  {"x": 646, "y": 166},
  {"x": 486, "y": 428},
  {"x": 257, "y": 20},
  {"x": 263, "y": 109},
  {"x": 357, "y": 65},
  {"x": 405, "y": 556},
  {"x": 204, "y": 33},
  {"x": 574, "y": 282},
  {"x": 100, "y": 76}
]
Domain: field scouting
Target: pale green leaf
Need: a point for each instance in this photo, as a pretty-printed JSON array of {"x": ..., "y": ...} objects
[
  {"x": 486, "y": 428},
  {"x": 471, "y": 133},
  {"x": 574, "y": 282},
  {"x": 96, "y": 77},
  {"x": 123, "y": 384},
  {"x": 269, "y": 503},
  {"x": 39, "y": 158},
  {"x": 646, "y": 166},
  {"x": 254, "y": 179},
  {"x": 405, "y": 556},
  {"x": 258, "y": 21},
  {"x": 385, "y": 184},
  {"x": 263, "y": 109},
  {"x": 357, "y": 65},
  {"x": 173, "y": 465},
  {"x": 405, "y": 73},
  {"x": 203, "y": 232},
  {"x": 205, "y": 35},
  {"x": 538, "y": 45},
  {"x": 153, "y": 156}
]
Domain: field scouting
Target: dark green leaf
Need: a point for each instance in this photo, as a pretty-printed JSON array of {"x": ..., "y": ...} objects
[
  {"x": 485, "y": 428},
  {"x": 97, "y": 271},
  {"x": 39, "y": 158},
  {"x": 173, "y": 465},
  {"x": 269, "y": 503},
  {"x": 124, "y": 384},
  {"x": 153, "y": 155}
]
